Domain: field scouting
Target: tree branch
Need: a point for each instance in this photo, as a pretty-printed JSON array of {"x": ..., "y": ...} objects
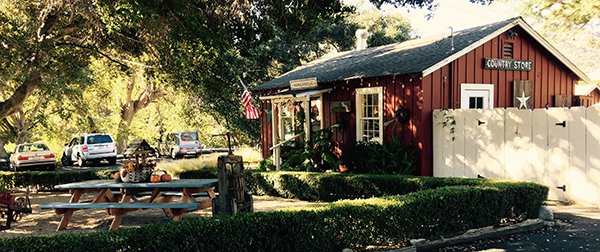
[{"x": 93, "y": 50}]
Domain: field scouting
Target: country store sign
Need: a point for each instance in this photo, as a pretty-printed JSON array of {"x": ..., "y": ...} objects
[{"x": 502, "y": 64}]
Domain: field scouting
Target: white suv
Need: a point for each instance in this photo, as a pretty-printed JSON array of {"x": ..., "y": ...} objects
[{"x": 90, "y": 147}]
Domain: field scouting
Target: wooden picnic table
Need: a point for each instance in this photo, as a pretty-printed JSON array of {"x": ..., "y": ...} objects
[{"x": 119, "y": 203}]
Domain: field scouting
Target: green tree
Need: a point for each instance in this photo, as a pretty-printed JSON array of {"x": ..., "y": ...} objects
[{"x": 560, "y": 16}]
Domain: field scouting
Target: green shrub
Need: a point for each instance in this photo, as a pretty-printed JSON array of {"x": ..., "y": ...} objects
[
  {"x": 328, "y": 227},
  {"x": 46, "y": 180},
  {"x": 393, "y": 157}
]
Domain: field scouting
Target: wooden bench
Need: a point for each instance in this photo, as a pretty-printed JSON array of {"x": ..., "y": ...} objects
[
  {"x": 164, "y": 193},
  {"x": 135, "y": 205}
]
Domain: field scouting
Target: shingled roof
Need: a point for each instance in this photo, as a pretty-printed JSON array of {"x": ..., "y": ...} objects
[{"x": 421, "y": 56}]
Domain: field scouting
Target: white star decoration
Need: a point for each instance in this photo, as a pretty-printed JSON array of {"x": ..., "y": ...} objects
[{"x": 523, "y": 99}]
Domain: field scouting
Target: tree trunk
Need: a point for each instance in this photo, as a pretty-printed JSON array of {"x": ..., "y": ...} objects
[
  {"x": 12, "y": 104},
  {"x": 3, "y": 152},
  {"x": 129, "y": 107}
]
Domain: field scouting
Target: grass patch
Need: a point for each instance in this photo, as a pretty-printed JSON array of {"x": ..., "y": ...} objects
[
  {"x": 249, "y": 154},
  {"x": 183, "y": 165},
  {"x": 208, "y": 161}
]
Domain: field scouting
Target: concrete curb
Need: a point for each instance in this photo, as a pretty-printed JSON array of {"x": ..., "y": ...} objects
[{"x": 473, "y": 235}]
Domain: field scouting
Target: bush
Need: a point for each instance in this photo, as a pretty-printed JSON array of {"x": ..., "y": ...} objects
[
  {"x": 46, "y": 180},
  {"x": 393, "y": 157},
  {"x": 389, "y": 220}
]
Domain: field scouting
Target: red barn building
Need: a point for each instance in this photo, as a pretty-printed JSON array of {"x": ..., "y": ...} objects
[
  {"x": 503, "y": 64},
  {"x": 587, "y": 95}
]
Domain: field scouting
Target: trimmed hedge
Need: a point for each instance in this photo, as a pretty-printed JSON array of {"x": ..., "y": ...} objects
[
  {"x": 328, "y": 227},
  {"x": 46, "y": 180},
  {"x": 331, "y": 187},
  {"x": 375, "y": 210}
]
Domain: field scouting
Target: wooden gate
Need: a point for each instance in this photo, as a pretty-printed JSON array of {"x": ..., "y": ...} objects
[{"x": 558, "y": 147}]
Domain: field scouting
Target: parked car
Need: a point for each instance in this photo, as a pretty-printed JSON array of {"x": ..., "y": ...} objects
[
  {"x": 179, "y": 144},
  {"x": 90, "y": 148},
  {"x": 32, "y": 156}
]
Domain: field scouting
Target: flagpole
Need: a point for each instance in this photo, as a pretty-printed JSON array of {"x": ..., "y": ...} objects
[{"x": 241, "y": 82}]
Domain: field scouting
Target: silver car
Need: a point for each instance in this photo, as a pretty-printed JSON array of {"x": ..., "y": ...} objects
[
  {"x": 179, "y": 144},
  {"x": 31, "y": 156},
  {"x": 90, "y": 148}
]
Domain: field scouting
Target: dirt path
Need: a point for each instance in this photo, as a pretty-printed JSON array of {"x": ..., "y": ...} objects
[{"x": 44, "y": 222}]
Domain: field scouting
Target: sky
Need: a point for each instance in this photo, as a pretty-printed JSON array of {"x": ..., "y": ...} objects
[{"x": 458, "y": 14}]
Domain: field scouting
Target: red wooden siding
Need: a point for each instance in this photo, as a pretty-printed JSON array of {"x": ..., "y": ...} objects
[
  {"x": 549, "y": 77},
  {"x": 420, "y": 95}
]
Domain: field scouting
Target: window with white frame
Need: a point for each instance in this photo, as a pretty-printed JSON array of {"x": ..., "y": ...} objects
[
  {"x": 476, "y": 96},
  {"x": 286, "y": 121},
  {"x": 369, "y": 114}
]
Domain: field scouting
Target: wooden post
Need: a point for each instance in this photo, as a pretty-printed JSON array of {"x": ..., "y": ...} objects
[{"x": 233, "y": 197}]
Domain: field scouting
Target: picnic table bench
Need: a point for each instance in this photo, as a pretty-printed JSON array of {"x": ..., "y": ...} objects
[{"x": 126, "y": 199}]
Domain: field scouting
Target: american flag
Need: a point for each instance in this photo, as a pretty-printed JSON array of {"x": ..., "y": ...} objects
[{"x": 251, "y": 111}]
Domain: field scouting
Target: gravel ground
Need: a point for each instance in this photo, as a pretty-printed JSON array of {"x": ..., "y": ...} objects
[{"x": 44, "y": 222}]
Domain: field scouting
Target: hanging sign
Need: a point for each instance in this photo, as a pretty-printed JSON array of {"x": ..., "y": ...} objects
[
  {"x": 309, "y": 83},
  {"x": 502, "y": 64}
]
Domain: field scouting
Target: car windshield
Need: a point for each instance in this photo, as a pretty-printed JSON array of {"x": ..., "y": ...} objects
[
  {"x": 33, "y": 147},
  {"x": 99, "y": 139},
  {"x": 189, "y": 136}
]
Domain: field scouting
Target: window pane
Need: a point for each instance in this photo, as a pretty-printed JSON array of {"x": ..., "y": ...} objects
[
  {"x": 480, "y": 102},
  {"x": 472, "y": 102},
  {"x": 287, "y": 128},
  {"x": 475, "y": 102}
]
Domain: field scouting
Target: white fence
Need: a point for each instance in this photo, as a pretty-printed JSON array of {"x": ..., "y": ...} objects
[{"x": 558, "y": 147}]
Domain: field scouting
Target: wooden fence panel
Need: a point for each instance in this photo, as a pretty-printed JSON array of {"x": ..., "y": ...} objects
[
  {"x": 576, "y": 172},
  {"x": 539, "y": 131},
  {"x": 438, "y": 135},
  {"x": 459, "y": 144},
  {"x": 593, "y": 155},
  {"x": 558, "y": 154},
  {"x": 558, "y": 147},
  {"x": 518, "y": 144},
  {"x": 471, "y": 148},
  {"x": 490, "y": 141},
  {"x": 448, "y": 143}
]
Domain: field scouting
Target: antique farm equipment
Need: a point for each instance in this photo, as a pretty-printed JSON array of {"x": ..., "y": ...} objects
[
  {"x": 232, "y": 197},
  {"x": 15, "y": 207}
]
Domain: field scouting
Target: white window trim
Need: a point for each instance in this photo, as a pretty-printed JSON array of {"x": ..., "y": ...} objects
[
  {"x": 359, "y": 125},
  {"x": 464, "y": 88}
]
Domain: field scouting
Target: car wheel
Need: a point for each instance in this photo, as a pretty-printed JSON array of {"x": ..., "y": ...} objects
[
  {"x": 80, "y": 161},
  {"x": 12, "y": 167},
  {"x": 112, "y": 161},
  {"x": 66, "y": 161},
  {"x": 174, "y": 154}
]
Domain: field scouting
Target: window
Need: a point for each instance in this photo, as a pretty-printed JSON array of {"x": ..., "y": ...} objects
[
  {"x": 369, "y": 114},
  {"x": 315, "y": 114},
  {"x": 286, "y": 121},
  {"x": 476, "y": 96},
  {"x": 508, "y": 50}
]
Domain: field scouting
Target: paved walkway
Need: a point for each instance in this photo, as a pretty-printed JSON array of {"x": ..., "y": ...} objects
[{"x": 577, "y": 229}]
